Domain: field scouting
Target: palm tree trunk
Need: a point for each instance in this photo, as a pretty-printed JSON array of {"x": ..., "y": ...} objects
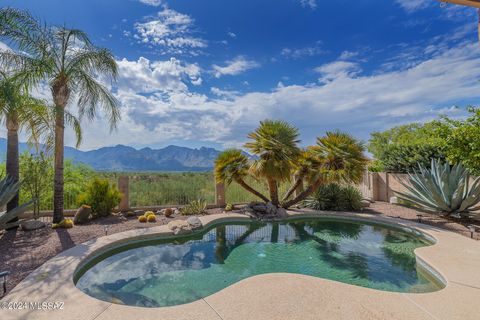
[
  {"x": 61, "y": 95},
  {"x": 12, "y": 165},
  {"x": 296, "y": 184},
  {"x": 308, "y": 191},
  {"x": 58, "y": 168},
  {"x": 273, "y": 189},
  {"x": 242, "y": 183}
]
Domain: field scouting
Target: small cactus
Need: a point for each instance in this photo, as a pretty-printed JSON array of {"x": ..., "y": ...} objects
[
  {"x": 142, "y": 219},
  {"x": 168, "y": 212},
  {"x": 151, "y": 218},
  {"x": 229, "y": 207},
  {"x": 65, "y": 223}
]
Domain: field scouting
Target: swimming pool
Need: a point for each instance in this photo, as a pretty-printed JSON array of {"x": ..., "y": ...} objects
[{"x": 166, "y": 272}]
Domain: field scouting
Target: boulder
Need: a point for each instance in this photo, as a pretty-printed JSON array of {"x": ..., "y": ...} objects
[
  {"x": 32, "y": 225},
  {"x": 179, "y": 226},
  {"x": 394, "y": 200},
  {"x": 365, "y": 203},
  {"x": 195, "y": 223},
  {"x": 82, "y": 215}
]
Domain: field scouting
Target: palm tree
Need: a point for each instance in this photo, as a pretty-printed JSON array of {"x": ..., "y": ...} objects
[
  {"x": 232, "y": 165},
  {"x": 71, "y": 64},
  {"x": 337, "y": 157},
  {"x": 18, "y": 111},
  {"x": 341, "y": 159},
  {"x": 276, "y": 145}
]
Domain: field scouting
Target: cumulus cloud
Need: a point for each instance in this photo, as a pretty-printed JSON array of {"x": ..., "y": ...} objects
[
  {"x": 234, "y": 67},
  {"x": 349, "y": 101},
  {"x": 337, "y": 70},
  {"x": 144, "y": 76},
  {"x": 170, "y": 30},
  {"x": 154, "y": 3}
]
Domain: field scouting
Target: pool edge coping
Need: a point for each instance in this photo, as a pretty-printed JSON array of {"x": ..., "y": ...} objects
[{"x": 67, "y": 263}]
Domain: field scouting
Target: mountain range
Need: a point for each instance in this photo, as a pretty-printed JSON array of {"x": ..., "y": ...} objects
[{"x": 125, "y": 158}]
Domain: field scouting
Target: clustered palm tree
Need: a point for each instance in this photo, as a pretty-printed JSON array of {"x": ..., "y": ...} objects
[
  {"x": 71, "y": 65},
  {"x": 337, "y": 157}
]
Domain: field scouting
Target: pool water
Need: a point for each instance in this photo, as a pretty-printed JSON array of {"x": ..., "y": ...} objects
[{"x": 171, "y": 272}]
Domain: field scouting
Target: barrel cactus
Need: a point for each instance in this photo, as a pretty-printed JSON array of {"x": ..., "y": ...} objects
[
  {"x": 442, "y": 188},
  {"x": 8, "y": 190}
]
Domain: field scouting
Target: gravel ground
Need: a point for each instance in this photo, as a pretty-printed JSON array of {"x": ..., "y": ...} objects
[{"x": 22, "y": 252}]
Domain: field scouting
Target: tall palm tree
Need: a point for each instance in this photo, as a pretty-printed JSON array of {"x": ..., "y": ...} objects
[
  {"x": 71, "y": 64},
  {"x": 18, "y": 110},
  {"x": 276, "y": 145}
]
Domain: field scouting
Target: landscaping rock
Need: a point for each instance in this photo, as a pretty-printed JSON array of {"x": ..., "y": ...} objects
[
  {"x": 394, "y": 200},
  {"x": 365, "y": 203},
  {"x": 177, "y": 211},
  {"x": 195, "y": 223},
  {"x": 130, "y": 213},
  {"x": 264, "y": 211},
  {"x": 32, "y": 225},
  {"x": 82, "y": 215},
  {"x": 139, "y": 212},
  {"x": 180, "y": 227}
]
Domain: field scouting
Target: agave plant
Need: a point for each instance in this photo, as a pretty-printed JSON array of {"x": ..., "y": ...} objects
[
  {"x": 442, "y": 188},
  {"x": 8, "y": 189}
]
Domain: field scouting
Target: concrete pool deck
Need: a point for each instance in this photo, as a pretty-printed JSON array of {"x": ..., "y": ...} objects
[{"x": 271, "y": 296}]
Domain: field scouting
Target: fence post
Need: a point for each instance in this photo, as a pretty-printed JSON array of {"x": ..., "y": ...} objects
[
  {"x": 220, "y": 194},
  {"x": 124, "y": 188}
]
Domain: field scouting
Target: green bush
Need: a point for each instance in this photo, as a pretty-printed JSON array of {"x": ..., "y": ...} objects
[
  {"x": 194, "y": 208},
  {"x": 335, "y": 197},
  {"x": 101, "y": 196},
  {"x": 407, "y": 158}
]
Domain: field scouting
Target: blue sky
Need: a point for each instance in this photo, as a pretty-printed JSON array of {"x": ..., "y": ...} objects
[{"x": 203, "y": 73}]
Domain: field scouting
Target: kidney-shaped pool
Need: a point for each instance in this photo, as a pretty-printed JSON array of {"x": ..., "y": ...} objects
[{"x": 166, "y": 272}]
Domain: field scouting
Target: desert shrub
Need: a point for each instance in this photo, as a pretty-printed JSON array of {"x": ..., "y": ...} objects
[
  {"x": 101, "y": 196},
  {"x": 229, "y": 207},
  {"x": 194, "y": 207},
  {"x": 335, "y": 197}
]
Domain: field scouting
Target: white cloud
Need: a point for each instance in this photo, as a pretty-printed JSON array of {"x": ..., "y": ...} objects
[
  {"x": 312, "y": 4},
  {"x": 4, "y": 46},
  {"x": 234, "y": 67},
  {"x": 232, "y": 35},
  {"x": 348, "y": 101},
  {"x": 413, "y": 5},
  {"x": 337, "y": 70},
  {"x": 297, "y": 53},
  {"x": 171, "y": 30},
  {"x": 154, "y": 3},
  {"x": 144, "y": 76},
  {"x": 346, "y": 55}
]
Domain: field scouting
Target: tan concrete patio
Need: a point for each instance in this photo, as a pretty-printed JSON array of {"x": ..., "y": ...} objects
[{"x": 271, "y": 296}]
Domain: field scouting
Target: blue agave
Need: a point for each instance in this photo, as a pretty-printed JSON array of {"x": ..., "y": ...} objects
[
  {"x": 8, "y": 189},
  {"x": 443, "y": 188}
]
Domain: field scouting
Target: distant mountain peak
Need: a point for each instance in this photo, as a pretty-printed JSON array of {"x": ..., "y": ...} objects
[{"x": 126, "y": 158}]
